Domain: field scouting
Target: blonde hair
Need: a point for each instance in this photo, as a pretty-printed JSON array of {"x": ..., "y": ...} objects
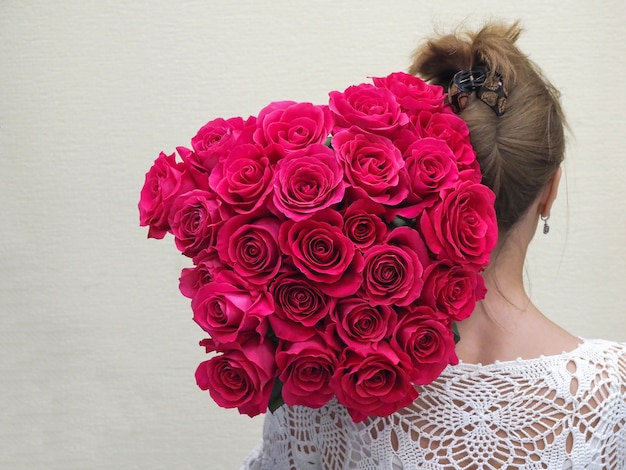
[{"x": 519, "y": 151}]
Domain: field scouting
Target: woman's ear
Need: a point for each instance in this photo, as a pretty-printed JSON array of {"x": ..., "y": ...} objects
[{"x": 550, "y": 193}]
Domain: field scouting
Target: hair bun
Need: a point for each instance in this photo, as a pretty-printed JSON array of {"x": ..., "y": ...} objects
[{"x": 493, "y": 46}]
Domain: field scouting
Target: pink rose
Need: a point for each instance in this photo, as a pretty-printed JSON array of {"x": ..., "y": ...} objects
[
  {"x": 214, "y": 141},
  {"x": 405, "y": 138},
  {"x": 243, "y": 179},
  {"x": 165, "y": 180},
  {"x": 306, "y": 369},
  {"x": 453, "y": 130},
  {"x": 199, "y": 178},
  {"x": 307, "y": 181},
  {"x": 249, "y": 245},
  {"x": 194, "y": 219},
  {"x": 453, "y": 290},
  {"x": 319, "y": 249},
  {"x": 431, "y": 167},
  {"x": 424, "y": 337},
  {"x": 363, "y": 223},
  {"x": 368, "y": 107},
  {"x": 361, "y": 325},
  {"x": 373, "y": 164},
  {"x": 412, "y": 93},
  {"x": 393, "y": 270},
  {"x": 207, "y": 265},
  {"x": 299, "y": 306},
  {"x": 286, "y": 126},
  {"x": 242, "y": 377},
  {"x": 462, "y": 227},
  {"x": 373, "y": 383},
  {"x": 228, "y": 309}
]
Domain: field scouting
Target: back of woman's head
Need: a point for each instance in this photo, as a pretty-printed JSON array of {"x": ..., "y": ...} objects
[{"x": 520, "y": 150}]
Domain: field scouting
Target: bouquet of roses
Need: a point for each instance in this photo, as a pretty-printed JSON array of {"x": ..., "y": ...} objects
[{"x": 334, "y": 246}]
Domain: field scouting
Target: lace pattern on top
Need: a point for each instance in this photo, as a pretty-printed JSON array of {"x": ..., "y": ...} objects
[{"x": 566, "y": 411}]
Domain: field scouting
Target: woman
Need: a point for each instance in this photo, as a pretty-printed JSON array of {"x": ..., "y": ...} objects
[{"x": 526, "y": 393}]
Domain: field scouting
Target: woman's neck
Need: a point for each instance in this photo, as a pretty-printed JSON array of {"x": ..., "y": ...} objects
[{"x": 506, "y": 324}]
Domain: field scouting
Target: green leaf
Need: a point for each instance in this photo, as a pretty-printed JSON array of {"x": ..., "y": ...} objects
[
  {"x": 402, "y": 222},
  {"x": 276, "y": 397},
  {"x": 455, "y": 331}
]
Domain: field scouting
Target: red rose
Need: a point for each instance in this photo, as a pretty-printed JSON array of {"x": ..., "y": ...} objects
[
  {"x": 194, "y": 219},
  {"x": 207, "y": 265},
  {"x": 424, "y": 338},
  {"x": 319, "y": 249},
  {"x": 299, "y": 306},
  {"x": 363, "y": 223},
  {"x": 249, "y": 245},
  {"x": 306, "y": 369},
  {"x": 307, "y": 181},
  {"x": 431, "y": 167},
  {"x": 413, "y": 93},
  {"x": 227, "y": 308},
  {"x": 242, "y": 377},
  {"x": 243, "y": 179},
  {"x": 373, "y": 164},
  {"x": 462, "y": 227},
  {"x": 370, "y": 108},
  {"x": 285, "y": 126},
  {"x": 164, "y": 181},
  {"x": 373, "y": 383},
  {"x": 393, "y": 270},
  {"x": 453, "y": 290},
  {"x": 361, "y": 325}
]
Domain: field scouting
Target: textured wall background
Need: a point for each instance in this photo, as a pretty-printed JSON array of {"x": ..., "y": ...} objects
[{"x": 97, "y": 347}]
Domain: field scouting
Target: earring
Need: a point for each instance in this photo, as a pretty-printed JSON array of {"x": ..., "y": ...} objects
[{"x": 546, "y": 227}]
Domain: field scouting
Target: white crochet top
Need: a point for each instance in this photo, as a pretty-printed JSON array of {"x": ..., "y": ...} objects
[{"x": 566, "y": 411}]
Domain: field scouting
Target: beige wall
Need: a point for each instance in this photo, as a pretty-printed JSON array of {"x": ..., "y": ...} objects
[{"x": 97, "y": 347}]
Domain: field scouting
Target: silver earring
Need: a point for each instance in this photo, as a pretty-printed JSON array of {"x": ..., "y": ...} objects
[{"x": 546, "y": 227}]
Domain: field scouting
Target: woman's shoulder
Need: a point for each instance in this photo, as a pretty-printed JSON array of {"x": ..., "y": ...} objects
[
  {"x": 593, "y": 366},
  {"x": 606, "y": 360},
  {"x": 602, "y": 353},
  {"x": 594, "y": 373},
  {"x": 595, "y": 352},
  {"x": 593, "y": 362},
  {"x": 599, "y": 344}
]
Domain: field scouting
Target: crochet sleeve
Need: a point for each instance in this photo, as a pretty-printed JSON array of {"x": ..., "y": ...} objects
[
  {"x": 606, "y": 406},
  {"x": 288, "y": 442},
  {"x": 620, "y": 425},
  {"x": 301, "y": 438}
]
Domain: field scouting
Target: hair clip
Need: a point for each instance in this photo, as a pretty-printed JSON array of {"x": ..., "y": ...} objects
[{"x": 489, "y": 89}]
